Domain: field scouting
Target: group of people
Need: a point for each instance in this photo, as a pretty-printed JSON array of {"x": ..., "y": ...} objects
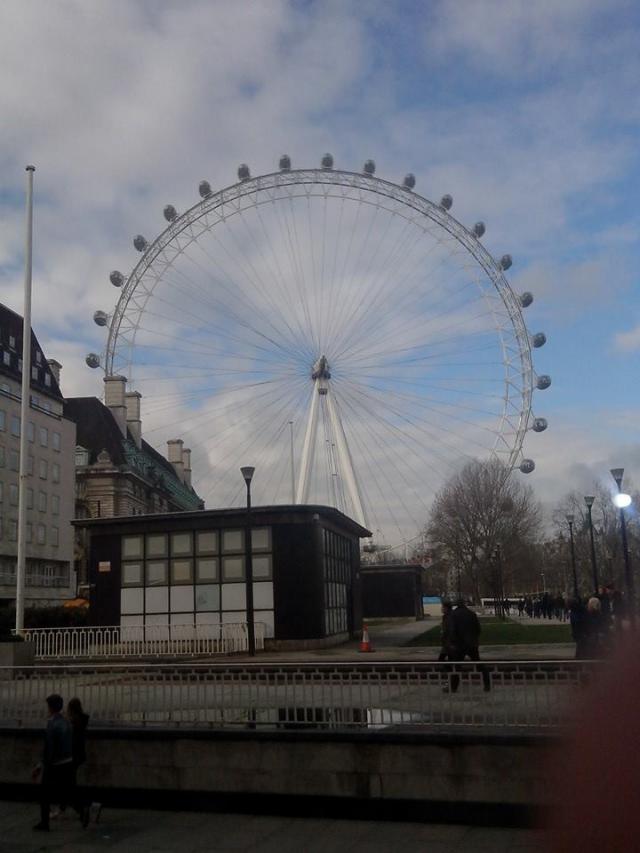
[
  {"x": 545, "y": 606},
  {"x": 460, "y": 640},
  {"x": 64, "y": 752}
]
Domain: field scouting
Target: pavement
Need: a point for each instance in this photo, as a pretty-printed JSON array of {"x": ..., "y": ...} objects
[
  {"x": 389, "y": 639},
  {"x": 127, "y": 830}
]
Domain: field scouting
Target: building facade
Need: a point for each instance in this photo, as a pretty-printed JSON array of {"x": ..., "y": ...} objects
[
  {"x": 190, "y": 569},
  {"x": 50, "y": 489},
  {"x": 391, "y": 590},
  {"x": 117, "y": 473}
]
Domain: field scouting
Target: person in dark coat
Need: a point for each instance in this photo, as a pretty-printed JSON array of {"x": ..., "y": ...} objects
[
  {"x": 577, "y": 620},
  {"x": 466, "y": 640},
  {"x": 446, "y": 649},
  {"x": 56, "y": 769},
  {"x": 79, "y": 722}
]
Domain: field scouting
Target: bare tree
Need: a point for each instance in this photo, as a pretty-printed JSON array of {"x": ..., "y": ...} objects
[{"x": 480, "y": 510}]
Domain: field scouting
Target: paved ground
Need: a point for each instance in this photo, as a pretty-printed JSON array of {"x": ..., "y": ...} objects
[{"x": 124, "y": 831}]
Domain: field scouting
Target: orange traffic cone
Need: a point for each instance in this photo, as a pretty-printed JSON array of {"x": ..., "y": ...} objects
[{"x": 365, "y": 644}]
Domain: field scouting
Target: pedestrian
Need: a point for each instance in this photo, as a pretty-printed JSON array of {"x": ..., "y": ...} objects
[
  {"x": 595, "y": 642},
  {"x": 79, "y": 722},
  {"x": 446, "y": 632},
  {"x": 577, "y": 620},
  {"x": 56, "y": 769},
  {"x": 466, "y": 638}
]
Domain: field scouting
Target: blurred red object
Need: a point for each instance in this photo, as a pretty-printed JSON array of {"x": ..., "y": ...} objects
[{"x": 597, "y": 798}]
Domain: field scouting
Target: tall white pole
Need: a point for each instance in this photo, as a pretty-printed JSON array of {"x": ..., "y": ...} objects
[
  {"x": 304, "y": 474},
  {"x": 293, "y": 470},
  {"x": 345, "y": 461},
  {"x": 24, "y": 407}
]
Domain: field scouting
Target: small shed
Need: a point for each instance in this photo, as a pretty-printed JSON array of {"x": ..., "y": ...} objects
[{"x": 392, "y": 590}]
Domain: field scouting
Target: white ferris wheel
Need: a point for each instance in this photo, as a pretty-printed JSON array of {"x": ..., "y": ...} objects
[{"x": 345, "y": 335}]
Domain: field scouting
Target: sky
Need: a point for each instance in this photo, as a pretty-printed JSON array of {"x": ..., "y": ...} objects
[{"x": 526, "y": 113}]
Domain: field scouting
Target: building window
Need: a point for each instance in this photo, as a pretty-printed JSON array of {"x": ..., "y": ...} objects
[
  {"x": 3, "y": 420},
  {"x": 261, "y": 539},
  {"x": 12, "y": 341},
  {"x": 232, "y": 540},
  {"x": 181, "y": 544},
  {"x": 55, "y": 504},
  {"x": 233, "y": 568},
  {"x": 55, "y": 440},
  {"x": 131, "y": 574},
  {"x": 6, "y": 357},
  {"x": 181, "y": 571},
  {"x": 29, "y": 533},
  {"x": 13, "y": 530},
  {"x": 42, "y": 501},
  {"x": 44, "y": 437},
  {"x": 82, "y": 456},
  {"x": 132, "y": 548},
  {"x": 55, "y": 472},
  {"x": 206, "y": 569},
  {"x": 1, "y": 490},
  {"x": 41, "y": 534},
  {"x": 207, "y": 542},
  {"x": 156, "y": 545},
  {"x": 30, "y": 464},
  {"x": 13, "y": 494},
  {"x": 31, "y": 431},
  {"x": 55, "y": 536},
  {"x": 29, "y": 498},
  {"x": 15, "y": 425},
  {"x": 14, "y": 460},
  {"x": 44, "y": 469},
  {"x": 47, "y": 380},
  {"x": 1, "y": 456},
  {"x": 34, "y": 373},
  {"x": 157, "y": 572}
]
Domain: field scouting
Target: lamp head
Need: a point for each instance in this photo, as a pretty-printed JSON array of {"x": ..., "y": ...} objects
[
  {"x": 247, "y": 473},
  {"x": 618, "y": 474},
  {"x": 570, "y": 518},
  {"x": 589, "y": 499},
  {"x": 621, "y": 500}
]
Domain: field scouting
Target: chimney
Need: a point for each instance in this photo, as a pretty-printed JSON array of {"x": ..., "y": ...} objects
[
  {"x": 174, "y": 455},
  {"x": 186, "y": 465},
  {"x": 114, "y": 400},
  {"x": 132, "y": 402},
  {"x": 55, "y": 367}
]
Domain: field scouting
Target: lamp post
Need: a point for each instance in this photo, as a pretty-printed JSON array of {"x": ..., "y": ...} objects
[
  {"x": 589, "y": 499},
  {"x": 570, "y": 519},
  {"x": 247, "y": 473},
  {"x": 622, "y": 500}
]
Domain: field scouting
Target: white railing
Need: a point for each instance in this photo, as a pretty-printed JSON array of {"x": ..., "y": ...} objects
[
  {"x": 536, "y": 696},
  {"x": 143, "y": 640}
]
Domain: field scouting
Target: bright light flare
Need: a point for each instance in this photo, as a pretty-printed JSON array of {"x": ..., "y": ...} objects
[{"x": 622, "y": 500}]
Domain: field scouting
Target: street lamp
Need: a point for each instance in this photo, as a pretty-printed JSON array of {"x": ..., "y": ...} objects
[
  {"x": 622, "y": 500},
  {"x": 589, "y": 499},
  {"x": 570, "y": 519},
  {"x": 247, "y": 473}
]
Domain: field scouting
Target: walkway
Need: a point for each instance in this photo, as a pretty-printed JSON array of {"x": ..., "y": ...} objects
[{"x": 123, "y": 831}]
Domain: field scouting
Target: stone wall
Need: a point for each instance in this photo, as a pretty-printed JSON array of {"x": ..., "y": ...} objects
[{"x": 492, "y": 771}]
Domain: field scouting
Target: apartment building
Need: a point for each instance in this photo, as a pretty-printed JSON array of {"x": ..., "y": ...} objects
[
  {"x": 117, "y": 472},
  {"x": 50, "y": 489}
]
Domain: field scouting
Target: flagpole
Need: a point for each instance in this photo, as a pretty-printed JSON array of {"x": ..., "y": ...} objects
[{"x": 24, "y": 407}]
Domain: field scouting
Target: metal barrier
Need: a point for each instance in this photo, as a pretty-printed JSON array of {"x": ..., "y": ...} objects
[
  {"x": 523, "y": 695},
  {"x": 143, "y": 640}
]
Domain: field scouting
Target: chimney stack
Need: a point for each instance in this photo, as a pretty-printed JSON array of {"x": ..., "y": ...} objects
[
  {"x": 114, "y": 400},
  {"x": 186, "y": 465},
  {"x": 174, "y": 455},
  {"x": 55, "y": 367},
  {"x": 132, "y": 402}
]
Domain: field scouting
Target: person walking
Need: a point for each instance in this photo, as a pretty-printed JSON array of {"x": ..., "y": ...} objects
[
  {"x": 79, "y": 722},
  {"x": 56, "y": 769},
  {"x": 446, "y": 632},
  {"x": 466, "y": 639}
]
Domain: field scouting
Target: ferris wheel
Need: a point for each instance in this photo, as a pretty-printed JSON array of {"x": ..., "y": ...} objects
[{"x": 345, "y": 335}]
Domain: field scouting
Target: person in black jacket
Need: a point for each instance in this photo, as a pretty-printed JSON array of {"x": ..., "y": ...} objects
[
  {"x": 466, "y": 640},
  {"x": 79, "y": 722}
]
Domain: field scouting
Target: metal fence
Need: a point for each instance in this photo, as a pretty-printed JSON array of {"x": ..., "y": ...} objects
[
  {"x": 142, "y": 640},
  {"x": 523, "y": 696}
]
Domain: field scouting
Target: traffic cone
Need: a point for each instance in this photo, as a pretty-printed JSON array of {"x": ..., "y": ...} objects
[{"x": 365, "y": 644}]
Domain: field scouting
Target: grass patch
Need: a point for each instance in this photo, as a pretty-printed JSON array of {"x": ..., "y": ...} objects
[{"x": 498, "y": 633}]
